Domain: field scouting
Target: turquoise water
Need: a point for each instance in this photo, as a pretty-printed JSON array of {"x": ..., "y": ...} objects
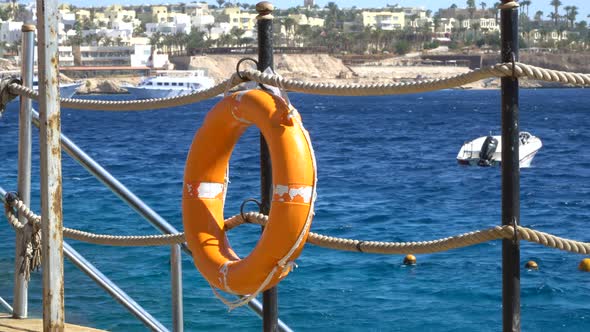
[{"x": 387, "y": 171}]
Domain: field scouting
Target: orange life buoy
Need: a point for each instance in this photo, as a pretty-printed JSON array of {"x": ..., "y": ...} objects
[{"x": 205, "y": 184}]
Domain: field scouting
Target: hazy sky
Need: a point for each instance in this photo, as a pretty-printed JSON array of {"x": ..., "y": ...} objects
[{"x": 543, "y": 5}]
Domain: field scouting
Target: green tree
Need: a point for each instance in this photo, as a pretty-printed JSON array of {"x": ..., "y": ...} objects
[
  {"x": 471, "y": 8},
  {"x": 196, "y": 39},
  {"x": 288, "y": 23},
  {"x": 237, "y": 33},
  {"x": 496, "y": 10},
  {"x": 571, "y": 14},
  {"x": 556, "y": 4},
  {"x": 526, "y": 4}
]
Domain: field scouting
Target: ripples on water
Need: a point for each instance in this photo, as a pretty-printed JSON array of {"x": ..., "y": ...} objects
[{"x": 387, "y": 171}]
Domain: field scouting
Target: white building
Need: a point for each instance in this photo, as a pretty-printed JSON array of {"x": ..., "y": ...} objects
[
  {"x": 134, "y": 56},
  {"x": 200, "y": 15},
  {"x": 175, "y": 23},
  {"x": 10, "y": 32}
]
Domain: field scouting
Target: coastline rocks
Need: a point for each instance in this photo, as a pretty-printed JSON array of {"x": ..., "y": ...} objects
[{"x": 101, "y": 86}]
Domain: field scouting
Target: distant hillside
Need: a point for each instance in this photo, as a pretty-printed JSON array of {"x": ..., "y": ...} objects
[
  {"x": 576, "y": 62},
  {"x": 302, "y": 66}
]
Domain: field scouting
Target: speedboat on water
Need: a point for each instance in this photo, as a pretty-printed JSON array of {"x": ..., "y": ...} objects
[
  {"x": 487, "y": 150},
  {"x": 171, "y": 84}
]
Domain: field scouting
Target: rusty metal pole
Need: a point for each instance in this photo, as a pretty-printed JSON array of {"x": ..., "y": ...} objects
[
  {"x": 510, "y": 171},
  {"x": 19, "y": 302},
  {"x": 50, "y": 150},
  {"x": 265, "y": 60}
]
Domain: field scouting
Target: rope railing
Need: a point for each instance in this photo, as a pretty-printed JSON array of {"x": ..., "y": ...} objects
[
  {"x": 373, "y": 247},
  {"x": 519, "y": 70}
]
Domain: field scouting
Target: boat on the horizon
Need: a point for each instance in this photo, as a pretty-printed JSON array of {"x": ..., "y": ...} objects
[
  {"x": 487, "y": 150},
  {"x": 171, "y": 83}
]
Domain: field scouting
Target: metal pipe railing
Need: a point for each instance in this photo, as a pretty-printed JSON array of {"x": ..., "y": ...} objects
[
  {"x": 119, "y": 295},
  {"x": 176, "y": 281},
  {"x": 132, "y": 200},
  {"x": 6, "y": 305},
  {"x": 20, "y": 292},
  {"x": 113, "y": 290}
]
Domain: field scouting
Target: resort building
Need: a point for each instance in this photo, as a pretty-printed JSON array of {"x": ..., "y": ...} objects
[
  {"x": 302, "y": 19},
  {"x": 539, "y": 36},
  {"x": 159, "y": 14},
  {"x": 384, "y": 20},
  {"x": 82, "y": 14},
  {"x": 134, "y": 56},
  {"x": 239, "y": 19},
  {"x": 200, "y": 15},
  {"x": 117, "y": 16},
  {"x": 10, "y": 32}
]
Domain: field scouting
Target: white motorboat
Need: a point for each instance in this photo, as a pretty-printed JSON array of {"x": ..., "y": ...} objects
[
  {"x": 487, "y": 150},
  {"x": 171, "y": 84}
]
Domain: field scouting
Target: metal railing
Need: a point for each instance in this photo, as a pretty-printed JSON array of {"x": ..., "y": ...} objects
[
  {"x": 51, "y": 137},
  {"x": 52, "y": 141}
]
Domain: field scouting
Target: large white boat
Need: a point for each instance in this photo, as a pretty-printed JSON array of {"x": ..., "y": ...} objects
[
  {"x": 487, "y": 150},
  {"x": 171, "y": 83}
]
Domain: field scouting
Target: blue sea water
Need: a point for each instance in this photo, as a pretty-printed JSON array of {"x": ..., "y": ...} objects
[{"x": 387, "y": 171}]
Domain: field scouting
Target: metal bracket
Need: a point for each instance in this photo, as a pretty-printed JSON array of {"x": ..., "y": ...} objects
[
  {"x": 238, "y": 67},
  {"x": 513, "y": 60},
  {"x": 515, "y": 227},
  {"x": 244, "y": 204}
]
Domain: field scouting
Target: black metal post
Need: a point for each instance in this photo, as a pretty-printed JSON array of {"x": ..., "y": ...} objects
[
  {"x": 265, "y": 60},
  {"x": 510, "y": 172}
]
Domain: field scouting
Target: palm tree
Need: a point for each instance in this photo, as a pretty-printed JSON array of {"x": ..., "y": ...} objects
[
  {"x": 571, "y": 15},
  {"x": 237, "y": 33},
  {"x": 526, "y": 4},
  {"x": 538, "y": 15},
  {"x": 220, "y": 2},
  {"x": 209, "y": 27},
  {"x": 288, "y": 24},
  {"x": 471, "y": 8},
  {"x": 496, "y": 9},
  {"x": 483, "y": 6},
  {"x": 555, "y": 4}
]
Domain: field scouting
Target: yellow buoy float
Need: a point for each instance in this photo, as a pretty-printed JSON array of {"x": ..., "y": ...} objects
[
  {"x": 410, "y": 260},
  {"x": 584, "y": 265},
  {"x": 531, "y": 265}
]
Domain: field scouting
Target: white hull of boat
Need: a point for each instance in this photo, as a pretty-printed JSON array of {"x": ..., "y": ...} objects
[
  {"x": 146, "y": 93},
  {"x": 68, "y": 90},
  {"x": 169, "y": 84},
  {"x": 469, "y": 154}
]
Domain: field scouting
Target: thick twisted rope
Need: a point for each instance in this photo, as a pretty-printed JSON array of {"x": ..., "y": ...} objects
[
  {"x": 499, "y": 70},
  {"x": 30, "y": 256},
  {"x": 373, "y": 247},
  {"x": 135, "y": 105}
]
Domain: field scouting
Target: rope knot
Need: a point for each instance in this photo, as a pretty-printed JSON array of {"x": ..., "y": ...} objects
[{"x": 5, "y": 94}]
